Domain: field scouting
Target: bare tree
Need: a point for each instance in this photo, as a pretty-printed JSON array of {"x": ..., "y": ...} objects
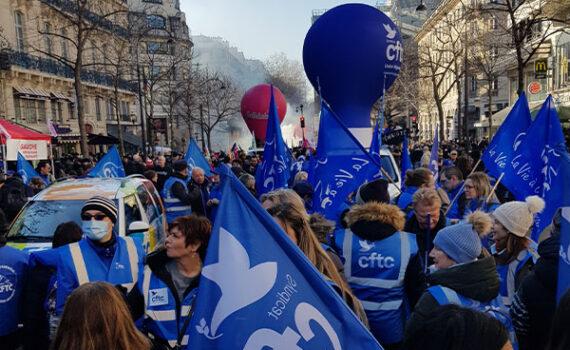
[
  {"x": 440, "y": 63},
  {"x": 209, "y": 100},
  {"x": 289, "y": 76},
  {"x": 527, "y": 25},
  {"x": 78, "y": 23}
]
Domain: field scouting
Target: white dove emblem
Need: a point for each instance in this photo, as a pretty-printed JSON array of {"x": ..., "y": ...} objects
[
  {"x": 390, "y": 33},
  {"x": 241, "y": 285},
  {"x": 365, "y": 246}
]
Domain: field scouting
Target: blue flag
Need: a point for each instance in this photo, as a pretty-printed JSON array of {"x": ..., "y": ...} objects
[
  {"x": 564, "y": 261},
  {"x": 108, "y": 166},
  {"x": 26, "y": 170},
  {"x": 376, "y": 142},
  {"x": 504, "y": 145},
  {"x": 434, "y": 158},
  {"x": 274, "y": 171},
  {"x": 406, "y": 161},
  {"x": 537, "y": 167},
  {"x": 195, "y": 158},
  {"x": 340, "y": 166},
  {"x": 258, "y": 291}
]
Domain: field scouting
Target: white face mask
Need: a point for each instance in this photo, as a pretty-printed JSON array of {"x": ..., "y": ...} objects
[{"x": 95, "y": 230}]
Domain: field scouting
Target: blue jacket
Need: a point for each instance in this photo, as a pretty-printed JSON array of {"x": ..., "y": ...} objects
[
  {"x": 79, "y": 263},
  {"x": 453, "y": 211},
  {"x": 173, "y": 206},
  {"x": 215, "y": 193},
  {"x": 13, "y": 269},
  {"x": 375, "y": 270}
]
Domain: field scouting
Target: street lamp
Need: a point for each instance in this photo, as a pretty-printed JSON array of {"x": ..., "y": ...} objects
[{"x": 302, "y": 122}]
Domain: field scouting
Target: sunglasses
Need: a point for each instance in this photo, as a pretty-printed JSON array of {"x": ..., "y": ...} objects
[{"x": 88, "y": 217}]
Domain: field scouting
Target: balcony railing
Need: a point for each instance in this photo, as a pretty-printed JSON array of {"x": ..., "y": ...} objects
[
  {"x": 71, "y": 8},
  {"x": 45, "y": 65}
]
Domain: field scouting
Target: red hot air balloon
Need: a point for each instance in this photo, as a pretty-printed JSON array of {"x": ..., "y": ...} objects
[{"x": 255, "y": 107}]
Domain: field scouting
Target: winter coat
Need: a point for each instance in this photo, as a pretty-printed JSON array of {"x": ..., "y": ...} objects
[
  {"x": 534, "y": 303},
  {"x": 476, "y": 280},
  {"x": 13, "y": 197}
]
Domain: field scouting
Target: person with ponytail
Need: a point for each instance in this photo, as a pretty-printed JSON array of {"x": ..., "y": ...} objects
[{"x": 513, "y": 250}]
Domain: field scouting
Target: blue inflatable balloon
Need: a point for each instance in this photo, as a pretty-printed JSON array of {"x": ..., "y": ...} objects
[{"x": 352, "y": 53}]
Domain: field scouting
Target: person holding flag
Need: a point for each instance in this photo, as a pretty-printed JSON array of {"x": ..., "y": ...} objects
[{"x": 513, "y": 250}]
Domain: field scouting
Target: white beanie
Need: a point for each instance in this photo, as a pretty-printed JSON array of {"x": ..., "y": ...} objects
[{"x": 518, "y": 217}]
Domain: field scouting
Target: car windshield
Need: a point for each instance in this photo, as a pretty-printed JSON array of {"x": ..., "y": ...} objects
[
  {"x": 40, "y": 218},
  {"x": 388, "y": 167}
]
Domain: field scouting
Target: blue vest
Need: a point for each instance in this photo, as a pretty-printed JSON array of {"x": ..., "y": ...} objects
[
  {"x": 494, "y": 308},
  {"x": 162, "y": 319},
  {"x": 173, "y": 206},
  {"x": 80, "y": 264},
  {"x": 375, "y": 271},
  {"x": 507, "y": 274},
  {"x": 453, "y": 211},
  {"x": 13, "y": 267}
]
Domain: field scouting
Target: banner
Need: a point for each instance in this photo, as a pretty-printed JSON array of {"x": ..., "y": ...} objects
[
  {"x": 258, "y": 291},
  {"x": 31, "y": 149}
]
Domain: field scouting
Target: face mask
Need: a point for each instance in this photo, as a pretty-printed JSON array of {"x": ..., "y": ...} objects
[{"x": 95, "y": 230}]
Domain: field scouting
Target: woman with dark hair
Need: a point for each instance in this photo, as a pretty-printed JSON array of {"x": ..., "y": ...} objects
[
  {"x": 451, "y": 327},
  {"x": 415, "y": 179},
  {"x": 514, "y": 252},
  {"x": 96, "y": 317},
  {"x": 175, "y": 270}
]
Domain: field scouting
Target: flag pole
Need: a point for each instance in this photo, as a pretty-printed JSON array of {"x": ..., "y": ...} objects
[
  {"x": 494, "y": 187},
  {"x": 462, "y": 186},
  {"x": 390, "y": 179}
]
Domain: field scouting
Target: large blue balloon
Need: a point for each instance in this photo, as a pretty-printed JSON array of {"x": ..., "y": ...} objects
[{"x": 354, "y": 52}]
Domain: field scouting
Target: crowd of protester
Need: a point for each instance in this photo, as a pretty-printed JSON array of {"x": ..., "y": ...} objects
[{"x": 454, "y": 265}]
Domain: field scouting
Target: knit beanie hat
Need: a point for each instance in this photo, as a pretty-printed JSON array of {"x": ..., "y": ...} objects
[
  {"x": 376, "y": 190},
  {"x": 517, "y": 217},
  {"x": 104, "y": 205},
  {"x": 460, "y": 242}
]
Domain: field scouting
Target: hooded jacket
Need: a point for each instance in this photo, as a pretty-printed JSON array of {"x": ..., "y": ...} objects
[
  {"x": 374, "y": 222},
  {"x": 476, "y": 280},
  {"x": 534, "y": 303}
]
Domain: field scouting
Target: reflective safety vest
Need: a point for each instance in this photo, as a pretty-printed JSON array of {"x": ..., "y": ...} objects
[
  {"x": 375, "y": 271},
  {"x": 162, "y": 319},
  {"x": 81, "y": 261},
  {"x": 507, "y": 274},
  {"x": 494, "y": 308},
  {"x": 173, "y": 206}
]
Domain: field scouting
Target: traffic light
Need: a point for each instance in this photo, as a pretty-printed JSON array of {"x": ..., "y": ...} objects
[{"x": 302, "y": 119}]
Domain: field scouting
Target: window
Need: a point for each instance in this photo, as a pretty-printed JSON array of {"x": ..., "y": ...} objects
[
  {"x": 29, "y": 111},
  {"x": 19, "y": 22},
  {"x": 85, "y": 101},
  {"x": 17, "y": 109},
  {"x": 154, "y": 71},
  {"x": 64, "y": 51},
  {"x": 155, "y": 22},
  {"x": 57, "y": 111},
  {"x": 47, "y": 38},
  {"x": 132, "y": 211},
  {"x": 494, "y": 52},
  {"x": 110, "y": 110},
  {"x": 93, "y": 52},
  {"x": 41, "y": 104},
  {"x": 124, "y": 110},
  {"x": 154, "y": 47},
  {"x": 98, "y": 108},
  {"x": 473, "y": 84}
]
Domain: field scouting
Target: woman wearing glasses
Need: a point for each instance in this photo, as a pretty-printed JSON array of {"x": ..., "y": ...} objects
[
  {"x": 101, "y": 255},
  {"x": 477, "y": 195}
]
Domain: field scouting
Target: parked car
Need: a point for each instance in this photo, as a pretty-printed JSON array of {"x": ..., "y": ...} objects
[{"x": 140, "y": 210}]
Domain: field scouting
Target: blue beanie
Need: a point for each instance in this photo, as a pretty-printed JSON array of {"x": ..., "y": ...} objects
[{"x": 460, "y": 242}]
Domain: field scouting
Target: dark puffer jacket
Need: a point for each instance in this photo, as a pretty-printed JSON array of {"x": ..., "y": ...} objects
[
  {"x": 477, "y": 280},
  {"x": 534, "y": 303}
]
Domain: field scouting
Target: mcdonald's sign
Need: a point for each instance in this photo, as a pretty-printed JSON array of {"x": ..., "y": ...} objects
[{"x": 540, "y": 68}]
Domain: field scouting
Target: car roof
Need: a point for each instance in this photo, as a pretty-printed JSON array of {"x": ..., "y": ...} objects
[{"x": 85, "y": 188}]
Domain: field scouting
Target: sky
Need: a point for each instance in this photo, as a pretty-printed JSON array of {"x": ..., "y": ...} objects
[{"x": 258, "y": 28}]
